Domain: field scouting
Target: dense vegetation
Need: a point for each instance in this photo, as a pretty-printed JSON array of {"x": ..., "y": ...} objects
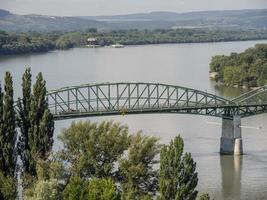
[
  {"x": 36, "y": 132},
  {"x": 11, "y": 44},
  {"x": 98, "y": 161},
  {"x": 248, "y": 68}
]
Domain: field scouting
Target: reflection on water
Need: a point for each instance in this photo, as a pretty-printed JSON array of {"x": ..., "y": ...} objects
[
  {"x": 229, "y": 92},
  {"x": 231, "y": 170}
]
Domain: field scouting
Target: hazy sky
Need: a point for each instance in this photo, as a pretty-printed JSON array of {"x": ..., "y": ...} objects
[{"x": 111, "y": 7}]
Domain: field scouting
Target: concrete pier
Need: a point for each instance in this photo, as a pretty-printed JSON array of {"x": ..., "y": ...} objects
[{"x": 231, "y": 140}]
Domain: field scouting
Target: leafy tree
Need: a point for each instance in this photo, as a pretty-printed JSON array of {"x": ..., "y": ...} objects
[
  {"x": 8, "y": 129},
  {"x": 177, "y": 179},
  {"x": 137, "y": 169},
  {"x": 92, "y": 149},
  {"x": 76, "y": 189},
  {"x": 49, "y": 182},
  {"x": 1, "y": 130},
  {"x": 8, "y": 135},
  {"x": 8, "y": 187},
  {"x": 101, "y": 189},
  {"x": 189, "y": 179},
  {"x": 44, "y": 190},
  {"x": 24, "y": 106},
  {"x": 248, "y": 68},
  {"x": 36, "y": 123}
]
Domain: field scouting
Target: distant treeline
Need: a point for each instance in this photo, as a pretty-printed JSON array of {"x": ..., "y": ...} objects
[
  {"x": 248, "y": 68},
  {"x": 12, "y": 44}
]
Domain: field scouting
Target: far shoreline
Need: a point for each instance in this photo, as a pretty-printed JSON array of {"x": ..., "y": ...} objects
[{"x": 132, "y": 45}]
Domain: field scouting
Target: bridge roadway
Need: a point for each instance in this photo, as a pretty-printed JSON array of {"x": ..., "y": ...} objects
[{"x": 103, "y": 99}]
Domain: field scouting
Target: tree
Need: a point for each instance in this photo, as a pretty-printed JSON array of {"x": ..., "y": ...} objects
[
  {"x": 8, "y": 158},
  {"x": 24, "y": 106},
  {"x": 76, "y": 189},
  {"x": 36, "y": 123},
  {"x": 92, "y": 149},
  {"x": 49, "y": 182},
  {"x": 44, "y": 190},
  {"x": 8, "y": 187},
  {"x": 9, "y": 128},
  {"x": 101, "y": 189},
  {"x": 137, "y": 169},
  {"x": 188, "y": 179},
  {"x": 1, "y": 130},
  {"x": 177, "y": 179},
  {"x": 248, "y": 68}
]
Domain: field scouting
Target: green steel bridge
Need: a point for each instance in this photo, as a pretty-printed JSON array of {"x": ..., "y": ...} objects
[{"x": 139, "y": 98}]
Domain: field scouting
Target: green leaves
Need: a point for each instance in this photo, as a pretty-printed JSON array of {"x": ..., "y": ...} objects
[
  {"x": 92, "y": 149},
  {"x": 8, "y": 187},
  {"x": 101, "y": 189},
  {"x": 35, "y": 121},
  {"x": 137, "y": 169},
  {"x": 76, "y": 189},
  {"x": 8, "y": 134},
  {"x": 248, "y": 68},
  {"x": 8, "y": 128},
  {"x": 177, "y": 179}
]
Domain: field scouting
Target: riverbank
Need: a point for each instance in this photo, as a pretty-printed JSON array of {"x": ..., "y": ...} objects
[
  {"x": 14, "y": 44},
  {"x": 247, "y": 69}
]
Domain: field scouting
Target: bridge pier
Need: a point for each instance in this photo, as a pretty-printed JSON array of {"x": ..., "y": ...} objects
[{"x": 231, "y": 140}]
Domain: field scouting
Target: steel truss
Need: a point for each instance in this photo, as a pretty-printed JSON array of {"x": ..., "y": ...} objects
[{"x": 134, "y": 98}]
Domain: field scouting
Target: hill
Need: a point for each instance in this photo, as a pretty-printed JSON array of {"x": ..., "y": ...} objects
[
  {"x": 233, "y": 19},
  {"x": 42, "y": 23}
]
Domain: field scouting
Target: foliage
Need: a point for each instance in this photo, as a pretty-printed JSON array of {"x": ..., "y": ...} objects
[
  {"x": 101, "y": 189},
  {"x": 36, "y": 123},
  {"x": 20, "y": 43},
  {"x": 92, "y": 149},
  {"x": 177, "y": 179},
  {"x": 76, "y": 189},
  {"x": 8, "y": 136},
  {"x": 94, "y": 189},
  {"x": 48, "y": 183},
  {"x": 137, "y": 169},
  {"x": 8, "y": 187},
  {"x": 248, "y": 68},
  {"x": 8, "y": 130},
  {"x": 204, "y": 196},
  {"x": 70, "y": 40},
  {"x": 44, "y": 190},
  {"x": 24, "y": 106}
]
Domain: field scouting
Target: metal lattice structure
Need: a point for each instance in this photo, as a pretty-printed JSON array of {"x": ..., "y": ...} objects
[{"x": 135, "y": 98}]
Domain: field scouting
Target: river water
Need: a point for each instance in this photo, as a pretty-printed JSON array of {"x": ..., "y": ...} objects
[{"x": 224, "y": 177}]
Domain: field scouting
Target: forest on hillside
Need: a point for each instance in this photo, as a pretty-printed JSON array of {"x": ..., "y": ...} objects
[{"x": 248, "y": 68}]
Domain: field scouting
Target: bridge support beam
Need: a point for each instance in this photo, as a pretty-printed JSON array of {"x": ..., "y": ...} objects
[{"x": 231, "y": 140}]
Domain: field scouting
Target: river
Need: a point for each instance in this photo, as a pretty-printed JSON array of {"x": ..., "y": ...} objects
[{"x": 224, "y": 177}]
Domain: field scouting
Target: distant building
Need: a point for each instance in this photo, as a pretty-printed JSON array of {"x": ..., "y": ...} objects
[{"x": 92, "y": 42}]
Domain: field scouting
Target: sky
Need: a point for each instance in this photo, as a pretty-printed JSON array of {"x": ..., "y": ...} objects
[{"x": 114, "y": 7}]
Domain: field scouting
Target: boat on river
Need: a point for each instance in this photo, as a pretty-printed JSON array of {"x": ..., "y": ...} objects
[{"x": 117, "y": 46}]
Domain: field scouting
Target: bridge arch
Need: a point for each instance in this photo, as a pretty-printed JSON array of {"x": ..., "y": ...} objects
[{"x": 132, "y": 98}]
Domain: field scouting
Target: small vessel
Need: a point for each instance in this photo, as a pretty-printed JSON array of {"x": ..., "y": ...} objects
[{"x": 117, "y": 46}]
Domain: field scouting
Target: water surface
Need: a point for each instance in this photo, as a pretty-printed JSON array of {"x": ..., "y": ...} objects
[{"x": 187, "y": 65}]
